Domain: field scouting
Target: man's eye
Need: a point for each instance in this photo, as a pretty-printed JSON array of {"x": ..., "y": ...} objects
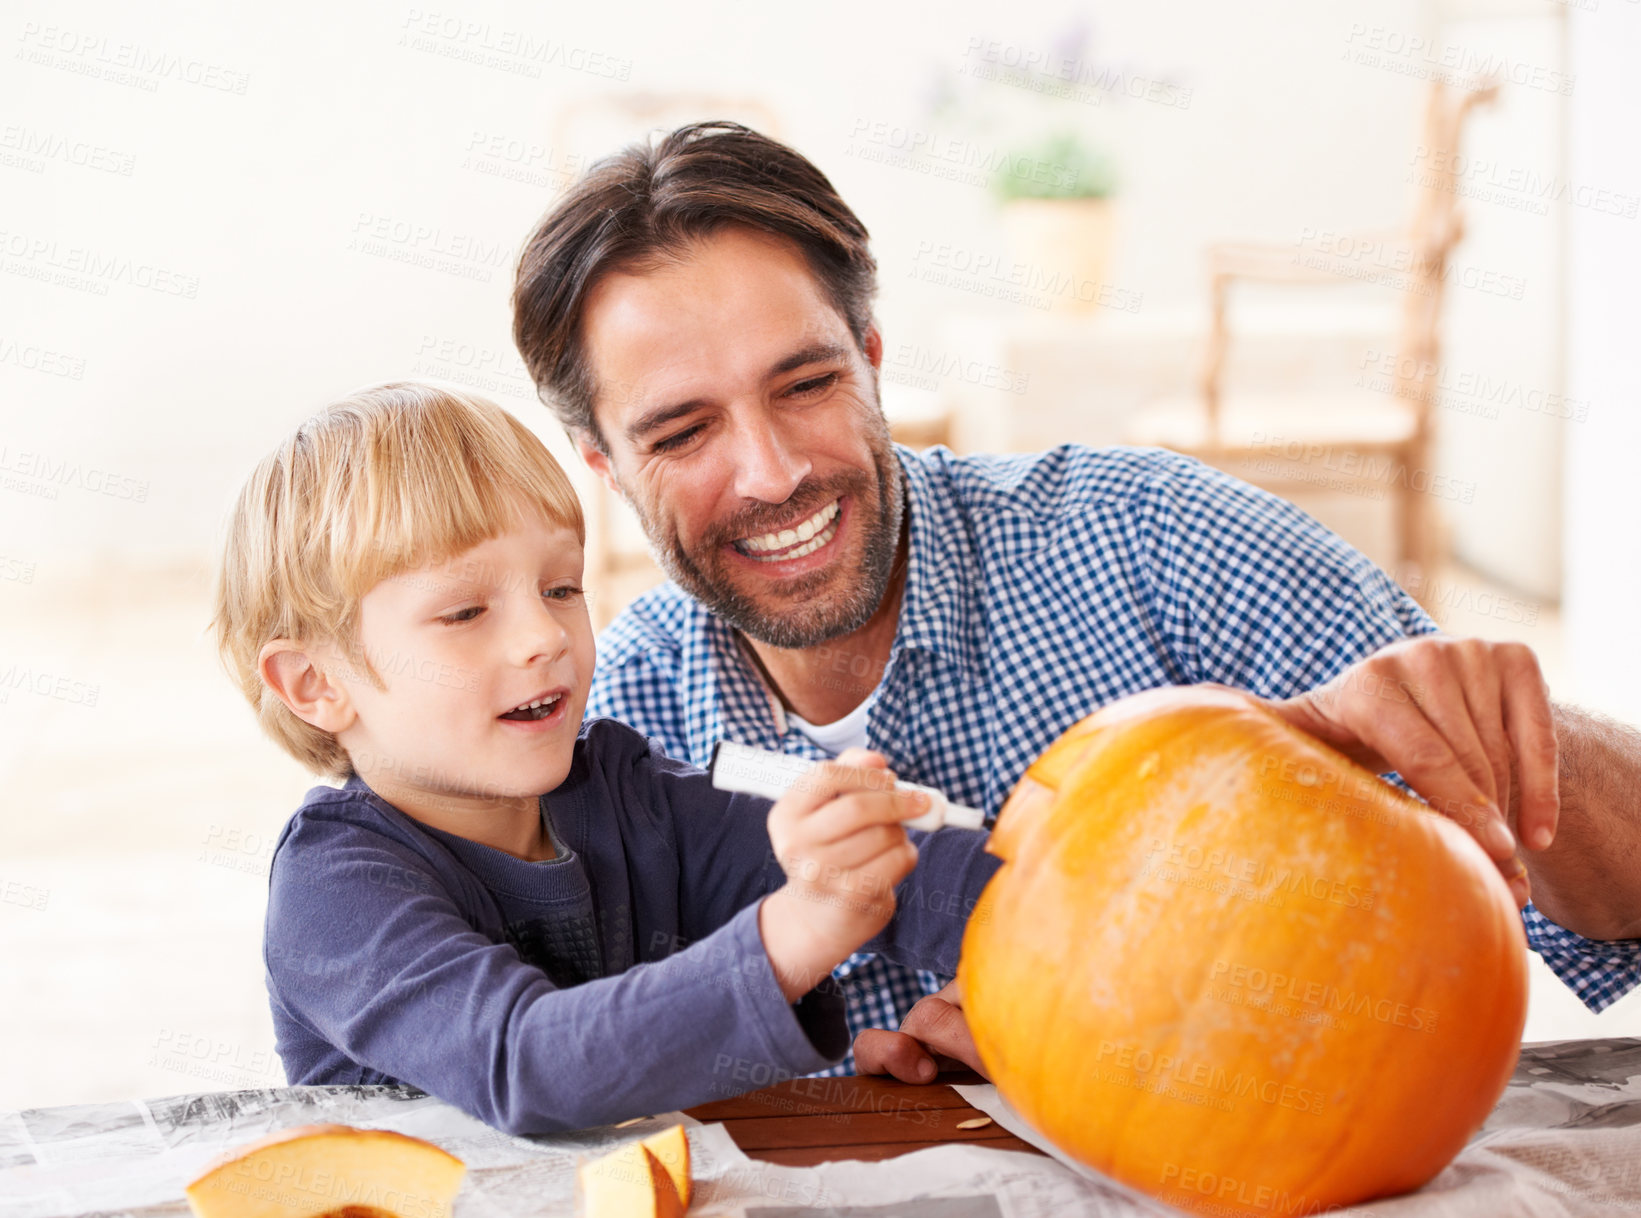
[
  {"x": 815, "y": 384},
  {"x": 676, "y": 440},
  {"x": 462, "y": 615},
  {"x": 568, "y": 592}
]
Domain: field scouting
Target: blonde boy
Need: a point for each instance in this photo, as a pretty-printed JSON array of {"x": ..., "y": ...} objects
[{"x": 545, "y": 922}]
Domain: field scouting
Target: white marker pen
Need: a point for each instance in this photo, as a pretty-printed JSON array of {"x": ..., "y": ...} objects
[{"x": 750, "y": 771}]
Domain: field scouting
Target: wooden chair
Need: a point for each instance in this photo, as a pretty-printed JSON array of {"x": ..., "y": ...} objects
[
  {"x": 1363, "y": 437},
  {"x": 922, "y": 430}
]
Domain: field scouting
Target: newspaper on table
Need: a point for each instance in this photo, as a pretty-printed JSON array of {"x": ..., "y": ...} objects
[{"x": 1564, "y": 1140}]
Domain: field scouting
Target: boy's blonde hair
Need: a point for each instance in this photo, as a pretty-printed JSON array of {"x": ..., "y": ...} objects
[{"x": 385, "y": 480}]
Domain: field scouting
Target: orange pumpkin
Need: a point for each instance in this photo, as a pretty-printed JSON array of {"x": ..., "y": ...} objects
[{"x": 1229, "y": 967}]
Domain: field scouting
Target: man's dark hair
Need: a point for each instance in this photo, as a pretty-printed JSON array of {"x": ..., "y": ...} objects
[{"x": 648, "y": 203}]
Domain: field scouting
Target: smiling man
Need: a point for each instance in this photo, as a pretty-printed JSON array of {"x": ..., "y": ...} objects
[
  {"x": 698, "y": 314},
  {"x": 763, "y": 474},
  {"x": 785, "y": 523}
]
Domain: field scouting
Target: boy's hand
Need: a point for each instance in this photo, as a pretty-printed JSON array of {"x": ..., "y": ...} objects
[
  {"x": 933, "y": 1036},
  {"x": 837, "y": 835}
]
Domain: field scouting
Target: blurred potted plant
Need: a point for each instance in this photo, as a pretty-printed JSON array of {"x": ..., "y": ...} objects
[{"x": 1058, "y": 218}]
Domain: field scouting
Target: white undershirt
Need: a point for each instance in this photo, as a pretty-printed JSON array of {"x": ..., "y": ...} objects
[{"x": 848, "y": 732}]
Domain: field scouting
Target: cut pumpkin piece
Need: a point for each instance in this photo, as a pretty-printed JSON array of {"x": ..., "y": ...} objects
[
  {"x": 671, "y": 1147},
  {"x": 629, "y": 1182},
  {"x": 310, "y": 1170}
]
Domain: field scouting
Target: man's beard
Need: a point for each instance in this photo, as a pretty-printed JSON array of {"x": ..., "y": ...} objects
[{"x": 808, "y": 620}]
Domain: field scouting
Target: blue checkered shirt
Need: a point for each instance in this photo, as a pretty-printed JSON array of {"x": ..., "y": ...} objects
[
  {"x": 1039, "y": 588},
  {"x": 1599, "y": 971}
]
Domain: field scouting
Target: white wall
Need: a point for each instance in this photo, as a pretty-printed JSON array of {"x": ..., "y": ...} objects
[
  {"x": 1603, "y": 521},
  {"x": 345, "y": 128},
  {"x": 1504, "y": 311}
]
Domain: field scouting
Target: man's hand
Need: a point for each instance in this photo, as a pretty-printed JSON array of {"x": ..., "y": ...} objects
[
  {"x": 933, "y": 1036},
  {"x": 837, "y": 835},
  {"x": 1466, "y": 722}
]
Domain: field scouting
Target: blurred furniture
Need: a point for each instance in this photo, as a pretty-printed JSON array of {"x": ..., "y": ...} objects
[
  {"x": 619, "y": 566},
  {"x": 921, "y": 431},
  {"x": 1366, "y": 444}
]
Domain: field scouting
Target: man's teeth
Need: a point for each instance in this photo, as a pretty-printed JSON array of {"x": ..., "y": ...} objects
[{"x": 812, "y": 534}]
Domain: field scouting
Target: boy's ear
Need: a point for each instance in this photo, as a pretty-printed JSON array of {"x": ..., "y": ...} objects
[
  {"x": 597, "y": 459},
  {"x": 301, "y": 683}
]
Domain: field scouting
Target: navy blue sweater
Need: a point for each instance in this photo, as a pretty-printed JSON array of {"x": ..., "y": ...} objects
[{"x": 622, "y": 978}]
